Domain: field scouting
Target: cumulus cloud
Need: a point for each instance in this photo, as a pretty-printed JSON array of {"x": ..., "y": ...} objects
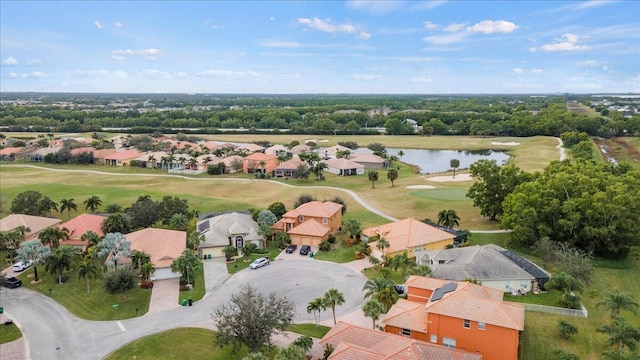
[
  {"x": 123, "y": 52},
  {"x": 458, "y": 32},
  {"x": 606, "y": 69},
  {"x": 454, "y": 27},
  {"x": 12, "y": 75},
  {"x": 589, "y": 63},
  {"x": 153, "y": 74},
  {"x": 491, "y": 27},
  {"x": 430, "y": 26},
  {"x": 366, "y": 77},
  {"x": 537, "y": 71},
  {"x": 228, "y": 74},
  {"x": 148, "y": 54},
  {"x": 118, "y": 24},
  {"x": 117, "y": 57},
  {"x": 567, "y": 42},
  {"x": 518, "y": 70},
  {"x": 363, "y": 35},
  {"x": 34, "y": 62},
  {"x": 98, "y": 24},
  {"x": 446, "y": 39},
  {"x": 271, "y": 18},
  {"x": 10, "y": 61},
  {"x": 327, "y": 25},
  {"x": 33, "y": 75}
]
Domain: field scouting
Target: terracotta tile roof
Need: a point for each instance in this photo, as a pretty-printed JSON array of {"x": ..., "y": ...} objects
[
  {"x": 103, "y": 153},
  {"x": 81, "y": 150},
  {"x": 10, "y": 150},
  {"x": 162, "y": 245},
  {"x": 80, "y": 224},
  {"x": 277, "y": 148},
  {"x": 291, "y": 164},
  {"x": 258, "y": 156},
  {"x": 299, "y": 149},
  {"x": 123, "y": 155},
  {"x": 407, "y": 314},
  {"x": 407, "y": 233},
  {"x": 35, "y": 223},
  {"x": 310, "y": 228},
  {"x": 357, "y": 343},
  {"x": 423, "y": 282},
  {"x": 315, "y": 209},
  {"x": 251, "y": 147}
]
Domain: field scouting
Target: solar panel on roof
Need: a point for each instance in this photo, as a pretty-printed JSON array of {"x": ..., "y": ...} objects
[
  {"x": 441, "y": 291},
  {"x": 202, "y": 227}
]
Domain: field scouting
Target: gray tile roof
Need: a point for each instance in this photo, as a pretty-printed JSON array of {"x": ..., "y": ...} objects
[{"x": 225, "y": 226}]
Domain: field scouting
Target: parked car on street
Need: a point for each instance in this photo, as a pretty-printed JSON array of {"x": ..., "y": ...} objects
[
  {"x": 304, "y": 250},
  {"x": 291, "y": 248},
  {"x": 13, "y": 283},
  {"x": 21, "y": 266},
  {"x": 260, "y": 262}
]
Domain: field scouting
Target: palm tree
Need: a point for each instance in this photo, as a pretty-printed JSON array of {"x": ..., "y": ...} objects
[
  {"x": 382, "y": 244},
  {"x": 229, "y": 252},
  {"x": 194, "y": 239},
  {"x": 91, "y": 238},
  {"x": 33, "y": 251},
  {"x": 92, "y": 203},
  {"x": 400, "y": 154},
  {"x": 392, "y": 174},
  {"x": 187, "y": 261},
  {"x": 373, "y": 309},
  {"x": 401, "y": 261},
  {"x": 152, "y": 160},
  {"x": 617, "y": 301},
  {"x": 146, "y": 270},
  {"x": 114, "y": 246},
  {"x": 47, "y": 204},
  {"x": 315, "y": 307},
  {"x": 113, "y": 209},
  {"x": 375, "y": 285},
  {"x": 52, "y": 235},
  {"x": 69, "y": 205},
  {"x": 454, "y": 163},
  {"x": 319, "y": 169},
  {"x": 206, "y": 160},
  {"x": 448, "y": 218},
  {"x": 621, "y": 334},
  {"x": 332, "y": 298},
  {"x": 193, "y": 163},
  {"x": 139, "y": 258},
  {"x": 373, "y": 177},
  {"x": 87, "y": 269},
  {"x": 387, "y": 297},
  {"x": 60, "y": 260},
  {"x": 179, "y": 221},
  {"x": 567, "y": 284}
]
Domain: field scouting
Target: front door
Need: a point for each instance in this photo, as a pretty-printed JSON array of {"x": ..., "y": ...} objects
[{"x": 239, "y": 242}]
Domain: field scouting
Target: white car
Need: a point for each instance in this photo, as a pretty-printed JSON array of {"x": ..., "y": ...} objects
[
  {"x": 20, "y": 266},
  {"x": 260, "y": 262}
]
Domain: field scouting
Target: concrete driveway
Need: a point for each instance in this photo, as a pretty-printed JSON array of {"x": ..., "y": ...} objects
[
  {"x": 164, "y": 295},
  {"x": 215, "y": 274}
]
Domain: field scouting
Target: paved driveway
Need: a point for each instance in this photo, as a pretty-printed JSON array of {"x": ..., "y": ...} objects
[
  {"x": 215, "y": 274},
  {"x": 164, "y": 295}
]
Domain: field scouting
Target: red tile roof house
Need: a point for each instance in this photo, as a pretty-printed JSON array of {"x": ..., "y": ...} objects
[
  {"x": 122, "y": 158},
  {"x": 458, "y": 315},
  {"x": 100, "y": 155},
  {"x": 80, "y": 225},
  {"x": 162, "y": 245},
  {"x": 311, "y": 223},
  {"x": 252, "y": 163},
  {"x": 408, "y": 235},
  {"x": 35, "y": 223},
  {"x": 288, "y": 168},
  {"x": 9, "y": 154}
]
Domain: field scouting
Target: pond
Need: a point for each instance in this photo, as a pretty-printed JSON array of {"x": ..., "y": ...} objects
[{"x": 436, "y": 161}]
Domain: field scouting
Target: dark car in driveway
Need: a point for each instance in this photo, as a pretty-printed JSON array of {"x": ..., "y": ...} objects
[
  {"x": 291, "y": 248},
  {"x": 304, "y": 250},
  {"x": 13, "y": 283}
]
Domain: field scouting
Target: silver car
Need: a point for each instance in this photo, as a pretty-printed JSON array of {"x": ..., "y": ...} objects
[{"x": 260, "y": 262}]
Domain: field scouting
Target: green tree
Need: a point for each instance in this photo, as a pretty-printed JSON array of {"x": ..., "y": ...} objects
[
  {"x": 144, "y": 212},
  {"x": 266, "y": 217},
  {"x": 454, "y": 163},
  {"x": 331, "y": 299},
  {"x": 381, "y": 290},
  {"x": 194, "y": 240},
  {"x": 566, "y": 284},
  {"x": 60, "y": 260},
  {"x": 616, "y": 301},
  {"x": 91, "y": 237},
  {"x": 621, "y": 335},
  {"x": 401, "y": 261},
  {"x": 251, "y": 318},
  {"x": 373, "y": 177},
  {"x": 113, "y": 247},
  {"x": 179, "y": 221},
  {"x": 304, "y": 342},
  {"x": 352, "y": 227},
  {"x": 392, "y": 175},
  {"x": 53, "y": 235},
  {"x": 92, "y": 203},
  {"x": 316, "y": 306},
  {"x": 87, "y": 269},
  {"x": 381, "y": 245},
  {"x": 35, "y": 252},
  {"x": 278, "y": 209},
  {"x": 68, "y": 204},
  {"x": 116, "y": 223},
  {"x": 566, "y": 329},
  {"x": 229, "y": 252},
  {"x": 120, "y": 280},
  {"x": 448, "y": 218},
  {"x": 186, "y": 263},
  {"x": 29, "y": 203},
  {"x": 373, "y": 309},
  {"x": 113, "y": 209}
]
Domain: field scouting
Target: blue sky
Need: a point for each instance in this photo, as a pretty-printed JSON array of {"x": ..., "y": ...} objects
[{"x": 361, "y": 47}]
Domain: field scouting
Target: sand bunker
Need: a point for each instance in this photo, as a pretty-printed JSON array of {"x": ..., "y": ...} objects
[
  {"x": 420, "y": 187},
  {"x": 459, "y": 177},
  {"x": 513, "y": 143}
]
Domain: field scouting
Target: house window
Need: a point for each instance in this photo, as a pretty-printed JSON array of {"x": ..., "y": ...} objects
[
  {"x": 481, "y": 326},
  {"x": 301, "y": 218},
  {"x": 448, "y": 342},
  {"x": 434, "y": 339},
  {"x": 325, "y": 220},
  {"x": 406, "y": 332},
  {"x": 467, "y": 324}
]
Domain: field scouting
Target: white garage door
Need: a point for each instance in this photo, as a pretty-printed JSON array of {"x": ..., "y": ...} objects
[{"x": 165, "y": 273}]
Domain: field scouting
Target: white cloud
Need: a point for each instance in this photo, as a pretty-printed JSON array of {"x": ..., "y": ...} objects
[
  {"x": 289, "y": 76},
  {"x": 446, "y": 39},
  {"x": 327, "y": 25},
  {"x": 33, "y": 75},
  {"x": 593, "y": 3},
  {"x": 606, "y": 69},
  {"x": 34, "y": 62},
  {"x": 537, "y": 71},
  {"x": 567, "y": 42},
  {"x": 228, "y": 74},
  {"x": 211, "y": 23},
  {"x": 100, "y": 73},
  {"x": 363, "y": 35},
  {"x": 154, "y": 74},
  {"x": 589, "y": 63},
  {"x": 427, "y": 5},
  {"x": 490, "y": 27},
  {"x": 454, "y": 27},
  {"x": 422, "y": 79},
  {"x": 271, "y": 18},
  {"x": 148, "y": 54},
  {"x": 518, "y": 70},
  {"x": 430, "y": 26},
  {"x": 118, "y": 24},
  {"x": 10, "y": 61},
  {"x": 123, "y": 52},
  {"x": 117, "y": 57},
  {"x": 98, "y": 24},
  {"x": 12, "y": 75},
  {"x": 365, "y": 77},
  {"x": 375, "y": 6},
  {"x": 281, "y": 44}
]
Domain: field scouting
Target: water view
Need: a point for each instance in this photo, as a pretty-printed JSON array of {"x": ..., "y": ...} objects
[{"x": 436, "y": 161}]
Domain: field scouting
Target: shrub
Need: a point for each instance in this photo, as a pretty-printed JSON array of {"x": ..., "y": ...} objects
[
  {"x": 324, "y": 246},
  {"x": 332, "y": 239},
  {"x": 120, "y": 280},
  {"x": 566, "y": 329}
]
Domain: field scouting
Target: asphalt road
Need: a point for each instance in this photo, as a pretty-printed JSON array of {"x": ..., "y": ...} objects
[{"x": 53, "y": 333}]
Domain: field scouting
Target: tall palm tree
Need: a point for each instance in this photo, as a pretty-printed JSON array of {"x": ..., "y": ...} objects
[
  {"x": 373, "y": 309},
  {"x": 617, "y": 301},
  {"x": 373, "y": 177},
  {"x": 400, "y": 154},
  {"x": 152, "y": 160},
  {"x": 146, "y": 270},
  {"x": 315, "y": 307},
  {"x": 382, "y": 244},
  {"x": 91, "y": 238},
  {"x": 621, "y": 334},
  {"x": 392, "y": 175},
  {"x": 387, "y": 297},
  {"x": 375, "y": 285},
  {"x": 454, "y": 163},
  {"x": 448, "y": 218},
  {"x": 113, "y": 209},
  {"x": 567, "y": 284},
  {"x": 186, "y": 263},
  {"x": 52, "y": 235},
  {"x": 68, "y": 204},
  {"x": 60, "y": 260},
  {"x": 87, "y": 269},
  {"x": 33, "y": 251},
  {"x": 179, "y": 221},
  {"x": 92, "y": 203},
  {"x": 332, "y": 298},
  {"x": 401, "y": 261},
  {"x": 47, "y": 204}
]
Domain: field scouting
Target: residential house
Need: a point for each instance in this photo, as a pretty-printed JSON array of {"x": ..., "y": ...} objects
[
  {"x": 9, "y": 153},
  {"x": 369, "y": 160},
  {"x": 343, "y": 167},
  {"x": 332, "y": 152},
  {"x": 311, "y": 223},
  {"x": 251, "y": 148},
  {"x": 229, "y": 229},
  {"x": 38, "y": 155},
  {"x": 151, "y": 160},
  {"x": 259, "y": 162},
  {"x": 80, "y": 150},
  {"x": 35, "y": 224},
  {"x": 121, "y": 158},
  {"x": 485, "y": 264},
  {"x": 232, "y": 163},
  {"x": 408, "y": 235},
  {"x": 163, "y": 246},
  {"x": 79, "y": 226},
  {"x": 361, "y": 151},
  {"x": 288, "y": 168},
  {"x": 458, "y": 315},
  {"x": 413, "y": 123},
  {"x": 301, "y": 149},
  {"x": 99, "y": 156},
  {"x": 277, "y": 150},
  {"x": 354, "y": 342}
]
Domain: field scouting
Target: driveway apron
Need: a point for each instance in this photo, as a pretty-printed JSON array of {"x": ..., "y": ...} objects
[
  {"x": 164, "y": 295},
  {"x": 215, "y": 274}
]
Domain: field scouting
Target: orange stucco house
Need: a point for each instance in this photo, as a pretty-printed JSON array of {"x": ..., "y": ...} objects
[
  {"x": 458, "y": 315},
  {"x": 259, "y": 162},
  {"x": 311, "y": 223}
]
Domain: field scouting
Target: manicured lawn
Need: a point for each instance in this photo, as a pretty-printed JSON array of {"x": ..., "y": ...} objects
[
  {"x": 446, "y": 194},
  {"x": 339, "y": 253},
  {"x": 242, "y": 262},
  {"x": 198, "y": 290},
  {"x": 9, "y": 333},
  {"x": 182, "y": 343},
  {"x": 98, "y": 305},
  {"x": 549, "y": 298},
  {"x": 309, "y": 329},
  {"x": 395, "y": 276}
]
